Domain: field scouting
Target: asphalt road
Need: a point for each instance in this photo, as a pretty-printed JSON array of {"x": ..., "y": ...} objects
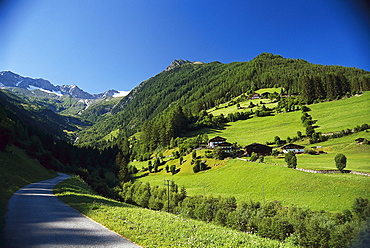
[{"x": 37, "y": 218}]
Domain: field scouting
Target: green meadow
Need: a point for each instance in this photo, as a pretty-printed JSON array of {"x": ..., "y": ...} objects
[
  {"x": 331, "y": 116},
  {"x": 342, "y": 114},
  {"x": 266, "y": 182},
  {"x": 150, "y": 228},
  {"x": 225, "y": 109},
  {"x": 228, "y": 108},
  {"x": 358, "y": 155},
  {"x": 260, "y": 129}
]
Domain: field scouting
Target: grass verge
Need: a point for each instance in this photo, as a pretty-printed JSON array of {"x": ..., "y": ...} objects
[{"x": 151, "y": 228}]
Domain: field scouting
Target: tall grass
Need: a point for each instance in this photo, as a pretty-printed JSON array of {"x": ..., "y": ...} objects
[{"x": 152, "y": 228}]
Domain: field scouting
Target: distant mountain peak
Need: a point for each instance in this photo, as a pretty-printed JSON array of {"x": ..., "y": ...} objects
[
  {"x": 10, "y": 79},
  {"x": 177, "y": 62}
]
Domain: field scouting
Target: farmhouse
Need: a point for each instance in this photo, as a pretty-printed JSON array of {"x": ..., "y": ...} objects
[
  {"x": 255, "y": 96},
  {"x": 260, "y": 149},
  {"x": 221, "y": 143},
  {"x": 292, "y": 147},
  {"x": 212, "y": 143},
  {"x": 226, "y": 147}
]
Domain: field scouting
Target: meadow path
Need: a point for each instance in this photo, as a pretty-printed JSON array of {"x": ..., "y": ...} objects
[{"x": 37, "y": 218}]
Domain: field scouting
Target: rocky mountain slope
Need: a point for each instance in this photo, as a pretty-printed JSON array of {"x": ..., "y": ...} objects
[{"x": 68, "y": 100}]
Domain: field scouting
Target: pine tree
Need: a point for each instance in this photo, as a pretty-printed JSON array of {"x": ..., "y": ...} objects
[{"x": 123, "y": 174}]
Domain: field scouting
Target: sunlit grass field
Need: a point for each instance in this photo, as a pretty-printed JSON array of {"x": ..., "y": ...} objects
[
  {"x": 150, "y": 228},
  {"x": 260, "y": 129},
  {"x": 358, "y": 155},
  {"x": 225, "y": 109},
  {"x": 342, "y": 114},
  {"x": 331, "y": 116},
  {"x": 260, "y": 182}
]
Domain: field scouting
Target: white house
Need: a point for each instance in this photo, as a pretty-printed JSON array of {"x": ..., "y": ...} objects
[
  {"x": 216, "y": 141},
  {"x": 292, "y": 147}
]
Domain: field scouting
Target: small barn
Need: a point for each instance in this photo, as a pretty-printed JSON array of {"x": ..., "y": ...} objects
[
  {"x": 293, "y": 148},
  {"x": 260, "y": 149}
]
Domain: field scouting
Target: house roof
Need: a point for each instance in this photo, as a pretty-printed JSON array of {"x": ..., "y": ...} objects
[
  {"x": 292, "y": 146},
  {"x": 217, "y": 139},
  {"x": 257, "y": 145}
]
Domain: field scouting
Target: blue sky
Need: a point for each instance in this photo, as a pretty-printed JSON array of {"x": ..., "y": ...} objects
[{"x": 116, "y": 44}]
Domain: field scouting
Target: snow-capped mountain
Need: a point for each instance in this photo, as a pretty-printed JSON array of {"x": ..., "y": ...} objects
[{"x": 9, "y": 79}]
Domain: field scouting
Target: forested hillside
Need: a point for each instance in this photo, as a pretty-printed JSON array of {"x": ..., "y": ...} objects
[
  {"x": 38, "y": 132},
  {"x": 200, "y": 86},
  {"x": 35, "y": 115}
]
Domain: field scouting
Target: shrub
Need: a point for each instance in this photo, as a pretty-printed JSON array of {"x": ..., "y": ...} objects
[
  {"x": 254, "y": 157},
  {"x": 310, "y": 151},
  {"x": 340, "y": 161},
  {"x": 291, "y": 160},
  {"x": 83, "y": 173}
]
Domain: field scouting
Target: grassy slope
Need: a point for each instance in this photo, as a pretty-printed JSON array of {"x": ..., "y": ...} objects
[
  {"x": 260, "y": 129},
  {"x": 245, "y": 181},
  {"x": 332, "y": 116},
  {"x": 150, "y": 228},
  {"x": 225, "y": 109},
  {"x": 358, "y": 156},
  {"x": 17, "y": 170},
  {"x": 343, "y": 114}
]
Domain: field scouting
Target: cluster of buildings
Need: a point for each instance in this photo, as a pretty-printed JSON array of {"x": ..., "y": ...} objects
[{"x": 259, "y": 149}]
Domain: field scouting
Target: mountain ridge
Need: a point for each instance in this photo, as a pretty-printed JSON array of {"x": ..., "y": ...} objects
[{"x": 9, "y": 79}]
